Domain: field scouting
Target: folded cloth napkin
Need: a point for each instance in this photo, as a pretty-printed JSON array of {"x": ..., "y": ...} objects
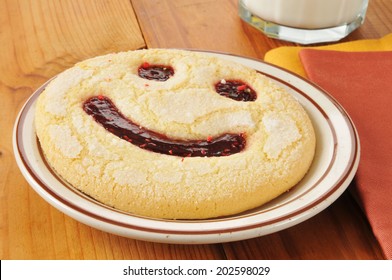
[
  {"x": 288, "y": 57},
  {"x": 362, "y": 82}
]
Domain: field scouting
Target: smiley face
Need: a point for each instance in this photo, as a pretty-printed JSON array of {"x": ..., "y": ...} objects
[{"x": 173, "y": 134}]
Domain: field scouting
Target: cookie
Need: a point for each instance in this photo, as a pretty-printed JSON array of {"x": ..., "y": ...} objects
[{"x": 173, "y": 134}]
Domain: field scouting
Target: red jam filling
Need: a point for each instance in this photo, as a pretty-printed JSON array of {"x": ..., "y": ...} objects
[
  {"x": 106, "y": 113},
  {"x": 236, "y": 90},
  {"x": 155, "y": 72}
]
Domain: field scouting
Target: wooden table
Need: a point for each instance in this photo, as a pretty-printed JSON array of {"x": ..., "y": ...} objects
[{"x": 39, "y": 39}]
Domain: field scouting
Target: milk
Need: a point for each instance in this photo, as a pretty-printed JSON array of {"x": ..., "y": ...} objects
[{"x": 306, "y": 14}]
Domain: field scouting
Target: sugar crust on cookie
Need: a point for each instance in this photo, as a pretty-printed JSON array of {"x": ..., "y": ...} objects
[{"x": 280, "y": 140}]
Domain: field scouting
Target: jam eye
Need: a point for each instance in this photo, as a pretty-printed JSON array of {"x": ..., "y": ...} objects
[
  {"x": 235, "y": 89},
  {"x": 155, "y": 72}
]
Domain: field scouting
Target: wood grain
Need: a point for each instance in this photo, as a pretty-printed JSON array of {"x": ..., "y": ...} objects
[
  {"x": 201, "y": 24},
  {"x": 378, "y": 21},
  {"x": 339, "y": 232}
]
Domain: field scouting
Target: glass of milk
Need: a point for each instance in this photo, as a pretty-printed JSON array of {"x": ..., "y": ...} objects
[{"x": 304, "y": 21}]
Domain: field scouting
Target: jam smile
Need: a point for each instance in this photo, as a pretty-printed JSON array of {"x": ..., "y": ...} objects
[{"x": 104, "y": 112}]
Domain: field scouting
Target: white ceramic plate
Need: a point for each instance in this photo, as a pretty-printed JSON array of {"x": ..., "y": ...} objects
[{"x": 334, "y": 166}]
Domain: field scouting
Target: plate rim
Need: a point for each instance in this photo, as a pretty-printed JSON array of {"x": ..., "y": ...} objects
[{"x": 199, "y": 236}]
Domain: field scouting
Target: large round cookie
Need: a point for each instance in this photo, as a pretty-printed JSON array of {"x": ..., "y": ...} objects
[{"x": 173, "y": 134}]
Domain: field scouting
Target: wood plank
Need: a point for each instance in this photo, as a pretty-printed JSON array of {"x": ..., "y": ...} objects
[
  {"x": 202, "y": 24},
  {"x": 339, "y": 232},
  {"x": 378, "y": 21},
  {"x": 41, "y": 38}
]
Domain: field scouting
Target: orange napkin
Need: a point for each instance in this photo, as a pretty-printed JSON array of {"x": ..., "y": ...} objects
[
  {"x": 287, "y": 57},
  {"x": 362, "y": 82}
]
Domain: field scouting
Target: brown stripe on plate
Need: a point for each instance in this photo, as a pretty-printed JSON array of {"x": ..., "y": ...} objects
[{"x": 29, "y": 167}]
